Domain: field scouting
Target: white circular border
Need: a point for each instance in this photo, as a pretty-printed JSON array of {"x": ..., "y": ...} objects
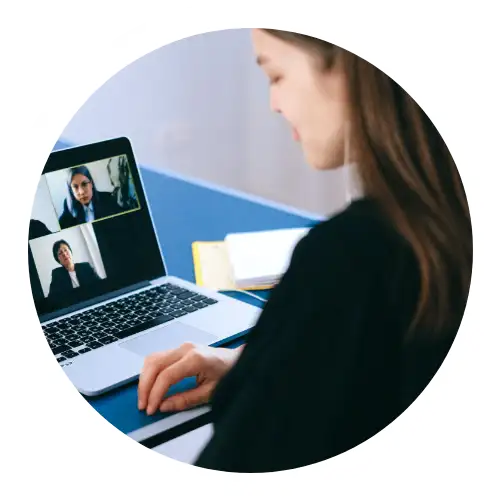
[{"x": 134, "y": 41}]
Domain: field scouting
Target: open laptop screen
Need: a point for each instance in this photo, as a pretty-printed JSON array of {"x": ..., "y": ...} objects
[{"x": 91, "y": 232}]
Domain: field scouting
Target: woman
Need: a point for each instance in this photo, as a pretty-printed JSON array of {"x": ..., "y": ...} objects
[
  {"x": 373, "y": 297},
  {"x": 84, "y": 203},
  {"x": 69, "y": 275}
]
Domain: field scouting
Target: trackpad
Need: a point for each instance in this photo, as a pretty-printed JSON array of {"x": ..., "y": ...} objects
[{"x": 168, "y": 337}]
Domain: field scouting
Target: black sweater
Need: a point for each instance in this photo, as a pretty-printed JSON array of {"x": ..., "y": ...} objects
[{"x": 326, "y": 368}]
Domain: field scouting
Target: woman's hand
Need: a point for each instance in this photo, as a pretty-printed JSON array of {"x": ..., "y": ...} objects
[{"x": 162, "y": 370}]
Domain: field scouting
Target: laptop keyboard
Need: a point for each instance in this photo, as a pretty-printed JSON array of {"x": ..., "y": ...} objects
[{"x": 118, "y": 320}]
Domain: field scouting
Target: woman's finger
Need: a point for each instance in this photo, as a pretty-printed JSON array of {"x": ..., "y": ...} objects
[
  {"x": 187, "y": 366},
  {"x": 153, "y": 365},
  {"x": 188, "y": 399}
]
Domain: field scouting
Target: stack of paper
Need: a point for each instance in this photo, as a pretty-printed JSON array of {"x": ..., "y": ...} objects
[
  {"x": 249, "y": 261},
  {"x": 261, "y": 258}
]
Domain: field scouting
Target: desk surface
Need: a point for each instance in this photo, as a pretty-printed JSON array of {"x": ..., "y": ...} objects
[{"x": 183, "y": 212}]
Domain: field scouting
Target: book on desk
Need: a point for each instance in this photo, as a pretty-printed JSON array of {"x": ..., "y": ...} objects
[{"x": 245, "y": 261}]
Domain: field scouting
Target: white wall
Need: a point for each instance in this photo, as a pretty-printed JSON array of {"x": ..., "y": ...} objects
[
  {"x": 43, "y": 209},
  {"x": 200, "y": 107}
]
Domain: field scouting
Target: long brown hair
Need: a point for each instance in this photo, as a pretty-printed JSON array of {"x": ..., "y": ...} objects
[{"x": 404, "y": 164}]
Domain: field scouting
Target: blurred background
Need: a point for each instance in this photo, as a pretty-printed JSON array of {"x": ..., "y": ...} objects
[{"x": 200, "y": 108}]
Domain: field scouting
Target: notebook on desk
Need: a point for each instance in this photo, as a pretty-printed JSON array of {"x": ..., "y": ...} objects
[{"x": 245, "y": 261}]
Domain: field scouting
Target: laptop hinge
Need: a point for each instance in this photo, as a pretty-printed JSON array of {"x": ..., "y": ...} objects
[{"x": 96, "y": 300}]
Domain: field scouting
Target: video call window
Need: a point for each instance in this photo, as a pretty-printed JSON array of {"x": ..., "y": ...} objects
[
  {"x": 83, "y": 194},
  {"x": 67, "y": 260}
]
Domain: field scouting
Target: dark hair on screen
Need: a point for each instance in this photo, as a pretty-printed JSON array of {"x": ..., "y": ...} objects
[
  {"x": 404, "y": 164},
  {"x": 74, "y": 206},
  {"x": 56, "y": 246}
]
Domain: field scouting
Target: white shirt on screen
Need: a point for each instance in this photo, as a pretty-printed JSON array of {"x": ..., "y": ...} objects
[
  {"x": 74, "y": 279},
  {"x": 89, "y": 212}
]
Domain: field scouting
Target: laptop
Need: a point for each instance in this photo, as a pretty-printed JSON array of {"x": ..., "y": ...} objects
[{"x": 98, "y": 277}]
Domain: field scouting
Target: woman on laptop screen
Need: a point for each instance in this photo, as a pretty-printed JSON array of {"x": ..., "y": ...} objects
[
  {"x": 84, "y": 203},
  {"x": 69, "y": 275},
  {"x": 373, "y": 297}
]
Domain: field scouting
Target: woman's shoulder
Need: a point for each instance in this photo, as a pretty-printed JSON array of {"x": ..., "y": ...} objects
[
  {"x": 108, "y": 201},
  {"x": 105, "y": 197},
  {"x": 82, "y": 265},
  {"x": 58, "y": 271},
  {"x": 359, "y": 231},
  {"x": 66, "y": 218}
]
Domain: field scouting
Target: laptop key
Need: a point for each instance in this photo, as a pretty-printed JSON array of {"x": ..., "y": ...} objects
[
  {"x": 60, "y": 359},
  {"x": 178, "y": 314},
  {"x": 190, "y": 309},
  {"x": 94, "y": 345},
  {"x": 209, "y": 301},
  {"x": 166, "y": 310},
  {"x": 108, "y": 340},
  {"x": 84, "y": 350},
  {"x": 75, "y": 343},
  {"x": 197, "y": 297},
  {"x": 59, "y": 349},
  {"x": 199, "y": 305},
  {"x": 70, "y": 354}
]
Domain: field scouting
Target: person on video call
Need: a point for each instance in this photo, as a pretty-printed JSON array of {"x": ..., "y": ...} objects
[
  {"x": 84, "y": 203},
  {"x": 123, "y": 192},
  {"x": 70, "y": 275}
]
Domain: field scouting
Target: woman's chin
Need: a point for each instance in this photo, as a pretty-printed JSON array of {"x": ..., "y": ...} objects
[
  {"x": 318, "y": 163},
  {"x": 324, "y": 162}
]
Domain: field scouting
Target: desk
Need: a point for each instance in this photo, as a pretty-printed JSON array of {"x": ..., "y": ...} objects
[{"x": 207, "y": 214}]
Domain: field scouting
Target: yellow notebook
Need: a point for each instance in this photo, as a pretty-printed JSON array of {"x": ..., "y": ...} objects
[{"x": 212, "y": 268}]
